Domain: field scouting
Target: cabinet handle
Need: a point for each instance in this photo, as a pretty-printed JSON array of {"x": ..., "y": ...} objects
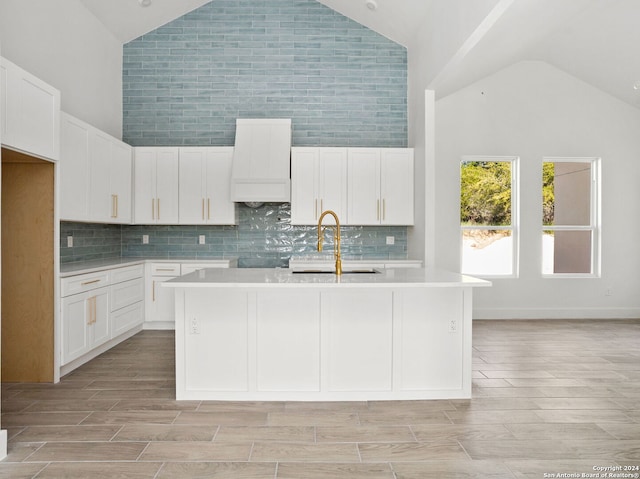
[
  {"x": 158, "y": 200},
  {"x": 208, "y": 208},
  {"x": 91, "y": 304},
  {"x": 90, "y": 282},
  {"x": 378, "y": 211},
  {"x": 116, "y": 206},
  {"x": 384, "y": 209},
  {"x": 95, "y": 312},
  {"x": 202, "y": 208},
  {"x": 153, "y": 292},
  {"x": 321, "y": 206},
  {"x": 316, "y": 208},
  {"x": 153, "y": 209},
  {"x": 113, "y": 206}
]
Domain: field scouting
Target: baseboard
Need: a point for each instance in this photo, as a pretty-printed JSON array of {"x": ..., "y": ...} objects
[
  {"x": 556, "y": 313},
  {"x": 3, "y": 444}
]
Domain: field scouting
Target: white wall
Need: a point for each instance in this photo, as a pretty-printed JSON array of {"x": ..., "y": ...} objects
[
  {"x": 532, "y": 110},
  {"x": 63, "y": 44}
]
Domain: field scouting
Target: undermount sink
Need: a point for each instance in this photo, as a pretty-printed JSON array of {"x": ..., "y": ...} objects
[{"x": 331, "y": 271}]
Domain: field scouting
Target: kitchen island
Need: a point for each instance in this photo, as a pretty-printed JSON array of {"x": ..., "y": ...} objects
[{"x": 276, "y": 334}]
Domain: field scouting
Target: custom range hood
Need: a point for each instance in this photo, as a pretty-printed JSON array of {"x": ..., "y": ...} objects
[{"x": 261, "y": 170}]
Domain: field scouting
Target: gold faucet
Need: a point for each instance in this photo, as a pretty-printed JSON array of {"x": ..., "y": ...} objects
[{"x": 336, "y": 238}]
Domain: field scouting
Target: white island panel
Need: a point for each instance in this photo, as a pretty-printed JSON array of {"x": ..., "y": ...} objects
[
  {"x": 215, "y": 329},
  {"x": 358, "y": 340},
  {"x": 288, "y": 341}
]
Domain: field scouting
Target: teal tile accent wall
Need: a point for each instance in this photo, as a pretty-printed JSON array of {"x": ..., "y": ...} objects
[{"x": 187, "y": 82}]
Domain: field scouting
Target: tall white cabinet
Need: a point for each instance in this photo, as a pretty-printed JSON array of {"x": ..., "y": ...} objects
[
  {"x": 95, "y": 174},
  {"x": 156, "y": 173},
  {"x": 205, "y": 178},
  {"x": 319, "y": 183}
]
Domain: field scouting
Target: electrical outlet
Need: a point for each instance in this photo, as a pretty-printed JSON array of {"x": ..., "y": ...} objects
[
  {"x": 69, "y": 241},
  {"x": 608, "y": 291},
  {"x": 195, "y": 327},
  {"x": 201, "y": 239},
  {"x": 391, "y": 240},
  {"x": 453, "y": 326},
  {"x": 145, "y": 239}
]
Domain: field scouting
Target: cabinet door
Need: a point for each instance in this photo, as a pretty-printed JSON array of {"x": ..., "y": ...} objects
[
  {"x": 364, "y": 203},
  {"x": 162, "y": 302},
  {"x": 75, "y": 319},
  {"x": 120, "y": 179},
  {"x": 126, "y": 318},
  {"x": 192, "y": 201},
  {"x": 397, "y": 186},
  {"x": 304, "y": 186},
  {"x": 144, "y": 165},
  {"x": 74, "y": 169},
  {"x": 99, "y": 172},
  {"x": 220, "y": 210},
  {"x": 31, "y": 113},
  {"x": 100, "y": 329},
  {"x": 333, "y": 182},
  {"x": 167, "y": 171}
]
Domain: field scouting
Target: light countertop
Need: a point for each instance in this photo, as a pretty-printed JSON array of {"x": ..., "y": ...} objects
[
  {"x": 270, "y": 277},
  {"x": 72, "y": 269}
]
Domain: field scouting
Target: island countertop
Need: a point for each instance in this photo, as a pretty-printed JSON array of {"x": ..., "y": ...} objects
[{"x": 270, "y": 277}]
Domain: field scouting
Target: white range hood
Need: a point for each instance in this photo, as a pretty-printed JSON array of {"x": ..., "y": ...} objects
[{"x": 261, "y": 169}]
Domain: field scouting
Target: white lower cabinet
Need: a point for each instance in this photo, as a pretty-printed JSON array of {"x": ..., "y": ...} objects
[
  {"x": 98, "y": 309},
  {"x": 85, "y": 323}
]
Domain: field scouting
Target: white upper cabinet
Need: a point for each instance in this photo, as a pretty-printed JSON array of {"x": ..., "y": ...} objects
[
  {"x": 205, "y": 179},
  {"x": 319, "y": 183},
  {"x": 156, "y": 171},
  {"x": 30, "y": 120},
  {"x": 380, "y": 186},
  {"x": 95, "y": 174}
]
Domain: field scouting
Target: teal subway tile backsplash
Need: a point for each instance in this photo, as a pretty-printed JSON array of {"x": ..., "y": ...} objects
[
  {"x": 187, "y": 82},
  {"x": 263, "y": 238}
]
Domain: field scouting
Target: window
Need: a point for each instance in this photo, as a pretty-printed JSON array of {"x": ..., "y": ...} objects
[
  {"x": 488, "y": 215},
  {"x": 570, "y": 216}
]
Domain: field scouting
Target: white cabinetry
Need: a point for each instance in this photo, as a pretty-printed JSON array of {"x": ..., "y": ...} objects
[
  {"x": 160, "y": 301},
  {"x": 205, "y": 176},
  {"x": 156, "y": 185},
  {"x": 160, "y": 309},
  {"x": 95, "y": 176},
  {"x": 30, "y": 119},
  {"x": 98, "y": 309},
  {"x": 380, "y": 185},
  {"x": 319, "y": 183}
]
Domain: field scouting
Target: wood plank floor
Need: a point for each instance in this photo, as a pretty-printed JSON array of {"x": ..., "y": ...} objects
[{"x": 550, "y": 397}]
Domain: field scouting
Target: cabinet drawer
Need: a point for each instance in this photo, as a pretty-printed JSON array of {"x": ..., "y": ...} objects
[
  {"x": 83, "y": 282},
  {"x": 119, "y": 275},
  {"x": 165, "y": 269},
  {"x": 126, "y": 319},
  {"x": 126, "y": 293}
]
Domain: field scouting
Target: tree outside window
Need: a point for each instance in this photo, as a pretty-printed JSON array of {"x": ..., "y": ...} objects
[{"x": 487, "y": 215}]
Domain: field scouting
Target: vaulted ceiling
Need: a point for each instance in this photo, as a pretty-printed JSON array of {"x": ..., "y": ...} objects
[{"x": 594, "y": 40}]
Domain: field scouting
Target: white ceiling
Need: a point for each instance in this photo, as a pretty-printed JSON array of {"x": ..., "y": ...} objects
[{"x": 594, "y": 40}]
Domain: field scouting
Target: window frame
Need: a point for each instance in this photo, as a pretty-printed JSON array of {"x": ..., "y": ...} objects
[
  {"x": 515, "y": 214},
  {"x": 594, "y": 218}
]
